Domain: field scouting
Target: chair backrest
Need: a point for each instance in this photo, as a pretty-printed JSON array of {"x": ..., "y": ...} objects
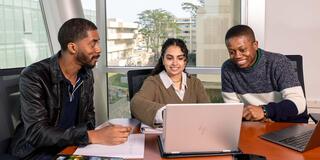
[
  {"x": 135, "y": 80},
  {"x": 297, "y": 63},
  {"x": 9, "y": 105}
]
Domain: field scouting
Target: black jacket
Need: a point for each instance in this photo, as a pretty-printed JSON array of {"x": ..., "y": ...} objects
[{"x": 41, "y": 88}]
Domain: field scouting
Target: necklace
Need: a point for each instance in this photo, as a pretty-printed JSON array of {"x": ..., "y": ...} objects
[{"x": 176, "y": 81}]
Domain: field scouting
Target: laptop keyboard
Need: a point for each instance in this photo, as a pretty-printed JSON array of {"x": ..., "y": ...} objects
[{"x": 298, "y": 141}]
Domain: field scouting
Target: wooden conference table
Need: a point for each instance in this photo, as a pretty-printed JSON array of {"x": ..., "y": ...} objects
[{"x": 249, "y": 143}]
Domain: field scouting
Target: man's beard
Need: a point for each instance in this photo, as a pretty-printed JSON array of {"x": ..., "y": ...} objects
[
  {"x": 85, "y": 61},
  {"x": 89, "y": 66}
]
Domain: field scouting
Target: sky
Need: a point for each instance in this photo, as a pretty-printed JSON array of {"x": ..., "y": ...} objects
[{"x": 127, "y": 10}]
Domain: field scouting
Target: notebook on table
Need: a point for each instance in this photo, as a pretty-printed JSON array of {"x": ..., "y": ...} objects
[
  {"x": 201, "y": 129},
  {"x": 299, "y": 137}
]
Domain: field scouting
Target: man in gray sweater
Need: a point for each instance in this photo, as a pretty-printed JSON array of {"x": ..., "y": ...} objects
[{"x": 265, "y": 82}]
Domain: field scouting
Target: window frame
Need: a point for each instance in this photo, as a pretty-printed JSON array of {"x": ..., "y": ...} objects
[{"x": 123, "y": 70}]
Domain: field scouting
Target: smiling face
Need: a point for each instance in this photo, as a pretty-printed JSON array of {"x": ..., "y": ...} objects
[
  {"x": 242, "y": 51},
  {"x": 174, "y": 61},
  {"x": 88, "y": 49}
]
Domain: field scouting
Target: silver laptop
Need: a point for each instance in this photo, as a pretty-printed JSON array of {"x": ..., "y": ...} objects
[
  {"x": 201, "y": 129},
  {"x": 299, "y": 137}
]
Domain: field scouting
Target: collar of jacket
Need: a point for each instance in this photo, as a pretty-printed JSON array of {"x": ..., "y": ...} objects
[{"x": 56, "y": 72}]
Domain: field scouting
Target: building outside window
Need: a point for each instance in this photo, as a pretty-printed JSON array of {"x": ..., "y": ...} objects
[
  {"x": 23, "y": 35},
  {"x": 134, "y": 39}
]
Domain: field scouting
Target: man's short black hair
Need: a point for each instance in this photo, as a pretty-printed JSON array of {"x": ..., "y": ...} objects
[
  {"x": 73, "y": 30},
  {"x": 240, "y": 30}
]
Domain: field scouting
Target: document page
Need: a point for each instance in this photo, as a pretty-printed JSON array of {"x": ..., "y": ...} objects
[
  {"x": 149, "y": 130},
  {"x": 133, "y": 148}
]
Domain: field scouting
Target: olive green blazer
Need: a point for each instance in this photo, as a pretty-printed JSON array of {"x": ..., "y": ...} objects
[{"x": 153, "y": 95}]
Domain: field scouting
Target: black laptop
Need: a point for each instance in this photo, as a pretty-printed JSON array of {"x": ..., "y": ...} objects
[{"x": 299, "y": 137}]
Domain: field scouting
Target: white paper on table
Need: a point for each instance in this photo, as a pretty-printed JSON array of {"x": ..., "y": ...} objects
[
  {"x": 149, "y": 130},
  {"x": 133, "y": 148}
]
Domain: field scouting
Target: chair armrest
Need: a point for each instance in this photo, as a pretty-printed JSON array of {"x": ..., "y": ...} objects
[{"x": 315, "y": 117}]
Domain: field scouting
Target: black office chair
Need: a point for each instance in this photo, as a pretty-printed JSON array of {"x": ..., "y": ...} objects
[
  {"x": 297, "y": 62},
  {"x": 9, "y": 108},
  {"x": 135, "y": 80}
]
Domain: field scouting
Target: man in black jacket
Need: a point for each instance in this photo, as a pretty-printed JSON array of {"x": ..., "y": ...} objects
[{"x": 57, "y": 98}]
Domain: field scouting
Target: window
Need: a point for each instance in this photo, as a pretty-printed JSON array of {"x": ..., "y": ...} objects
[
  {"x": 134, "y": 38},
  {"x": 23, "y": 35},
  {"x": 202, "y": 24}
]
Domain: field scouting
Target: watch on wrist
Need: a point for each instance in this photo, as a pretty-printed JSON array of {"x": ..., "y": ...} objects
[{"x": 264, "y": 111}]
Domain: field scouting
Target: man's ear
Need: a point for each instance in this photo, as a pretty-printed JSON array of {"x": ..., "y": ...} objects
[
  {"x": 72, "y": 48},
  {"x": 256, "y": 45}
]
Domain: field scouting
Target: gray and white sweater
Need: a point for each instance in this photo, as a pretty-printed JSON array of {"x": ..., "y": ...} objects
[{"x": 271, "y": 81}]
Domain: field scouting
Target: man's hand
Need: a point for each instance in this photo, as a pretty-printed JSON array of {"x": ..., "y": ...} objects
[
  {"x": 253, "y": 113},
  {"x": 109, "y": 135}
]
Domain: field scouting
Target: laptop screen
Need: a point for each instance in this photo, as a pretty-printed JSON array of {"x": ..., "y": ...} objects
[{"x": 204, "y": 127}]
